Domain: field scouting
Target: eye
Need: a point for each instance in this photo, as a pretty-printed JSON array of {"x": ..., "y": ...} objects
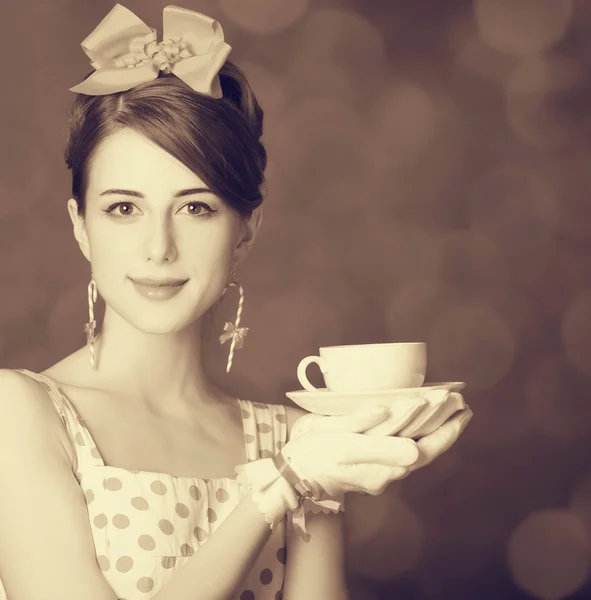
[
  {"x": 118, "y": 205},
  {"x": 199, "y": 207}
]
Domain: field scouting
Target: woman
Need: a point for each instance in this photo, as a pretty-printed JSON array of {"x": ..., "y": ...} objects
[{"x": 124, "y": 486}]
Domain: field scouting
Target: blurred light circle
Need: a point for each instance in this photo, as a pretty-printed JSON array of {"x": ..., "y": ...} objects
[
  {"x": 341, "y": 38},
  {"x": 471, "y": 343},
  {"x": 530, "y": 76},
  {"x": 534, "y": 89},
  {"x": 520, "y": 27},
  {"x": 539, "y": 74},
  {"x": 533, "y": 121},
  {"x": 558, "y": 400},
  {"x": 576, "y": 332},
  {"x": 484, "y": 62},
  {"x": 264, "y": 16},
  {"x": 549, "y": 554},
  {"x": 404, "y": 123},
  {"x": 336, "y": 52},
  {"x": 516, "y": 206}
]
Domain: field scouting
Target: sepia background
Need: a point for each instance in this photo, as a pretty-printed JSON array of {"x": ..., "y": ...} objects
[{"x": 429, "y": 176}]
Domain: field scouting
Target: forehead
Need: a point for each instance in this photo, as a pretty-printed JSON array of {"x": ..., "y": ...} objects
[{"x": 125, "y": 157}]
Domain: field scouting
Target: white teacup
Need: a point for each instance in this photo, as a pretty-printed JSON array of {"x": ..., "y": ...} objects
[{"x": 368, "y": 367}]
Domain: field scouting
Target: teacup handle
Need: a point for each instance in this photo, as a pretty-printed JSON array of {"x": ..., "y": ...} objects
[{"x": 302, "y": 377}]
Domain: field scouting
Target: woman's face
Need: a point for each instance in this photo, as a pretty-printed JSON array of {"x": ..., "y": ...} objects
[{"x": 152, "y": 232}]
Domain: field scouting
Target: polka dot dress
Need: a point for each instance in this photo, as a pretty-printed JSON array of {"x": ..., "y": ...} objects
[{"x": 146, "y": 525}]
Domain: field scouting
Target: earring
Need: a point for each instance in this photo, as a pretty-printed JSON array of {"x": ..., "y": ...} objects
[
  {"x": 91, "y": 325},
  {"x": 237, "y": 334}
]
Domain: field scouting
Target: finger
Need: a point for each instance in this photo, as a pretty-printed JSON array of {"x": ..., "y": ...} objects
[
  {"x": 435, "y": 444},
  {"x": 434, "y": 408},
  {"x": 396, "y": 421},
  {"x": 454, "y": 403},
  {"x": 358, "y": 421},
  {"x": 383, "y": 450},
  {"x": 380, "y": 484},
  {"x": 436, "y": 397}
]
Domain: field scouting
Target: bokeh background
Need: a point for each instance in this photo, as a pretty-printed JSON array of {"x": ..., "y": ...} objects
[{"x": 429, "y": 174}]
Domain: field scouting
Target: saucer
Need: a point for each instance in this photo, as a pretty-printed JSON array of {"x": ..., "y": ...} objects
[{"x": 325, "y": 402}]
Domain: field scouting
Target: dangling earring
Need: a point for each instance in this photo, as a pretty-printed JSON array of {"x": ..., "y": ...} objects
[
  {"x": 237, "y": 334},
  {"x": 91, "y": 325}
]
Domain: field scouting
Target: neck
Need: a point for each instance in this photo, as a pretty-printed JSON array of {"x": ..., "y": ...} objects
[{"x": 155, "y": 369}]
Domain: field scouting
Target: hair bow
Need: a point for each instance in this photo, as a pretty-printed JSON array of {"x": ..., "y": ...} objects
[
  {"x": 124, "y": 52},
  {"x": 238, "y": 333}
]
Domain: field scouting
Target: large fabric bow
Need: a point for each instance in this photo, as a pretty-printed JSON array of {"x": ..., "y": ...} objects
[
  {"x": 124, "y": 52},
  {"x": 238, "y": 333}
]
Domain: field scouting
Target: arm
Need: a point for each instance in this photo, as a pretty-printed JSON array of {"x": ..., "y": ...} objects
[
  {"x": 315, "y": 570},
  {"x": 46, "y": 545}
]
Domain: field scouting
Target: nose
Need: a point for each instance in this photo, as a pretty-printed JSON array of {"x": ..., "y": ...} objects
[{"x": 160, "y": 242}]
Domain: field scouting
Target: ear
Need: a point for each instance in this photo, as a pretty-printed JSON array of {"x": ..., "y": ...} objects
[
  {"x": 249, "y": 230},
  {"x": 79, "y": 228}
]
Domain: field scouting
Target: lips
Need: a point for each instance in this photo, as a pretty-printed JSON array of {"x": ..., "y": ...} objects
[
  {"x": 158, "y": 291},
  {"x": 160, "y": 283}
]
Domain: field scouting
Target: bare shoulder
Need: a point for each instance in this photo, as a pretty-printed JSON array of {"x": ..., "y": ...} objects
[
  {"x": 25, "y": 406},
  {"x": 19, "y": 390},
  {"x": 21, "y": 393},
  {"x": 293, "y": 413}
]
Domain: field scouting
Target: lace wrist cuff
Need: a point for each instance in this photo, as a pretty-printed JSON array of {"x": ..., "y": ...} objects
[{"x": 278, "y": 491}]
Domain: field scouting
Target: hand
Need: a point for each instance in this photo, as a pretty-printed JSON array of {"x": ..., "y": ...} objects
[
  {"x": 440, "y": 406},
  {"x": 336, "y": 462},
  {"x": 428, "y": 423},
  {"x": 333, "y": 462},
  {"x": 413, "y": 416},
  {"x": 442, "y": 439},
  {"x": 376, "y": 419}
]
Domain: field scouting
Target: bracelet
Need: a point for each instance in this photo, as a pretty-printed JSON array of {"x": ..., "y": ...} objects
[{"x": 302, "y": 488}]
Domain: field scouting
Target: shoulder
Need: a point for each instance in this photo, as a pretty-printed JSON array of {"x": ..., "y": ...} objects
[
  {"x": 23, "y": 396},
  {"x": 26, "y": 407},
  {"x": 15, "y": 382}
]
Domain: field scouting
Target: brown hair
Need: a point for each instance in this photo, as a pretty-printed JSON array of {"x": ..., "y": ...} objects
[{"x": 218, "y": 139}]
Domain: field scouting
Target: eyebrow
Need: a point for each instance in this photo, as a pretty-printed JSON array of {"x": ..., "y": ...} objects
[{"x": 179, "y": 194}]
